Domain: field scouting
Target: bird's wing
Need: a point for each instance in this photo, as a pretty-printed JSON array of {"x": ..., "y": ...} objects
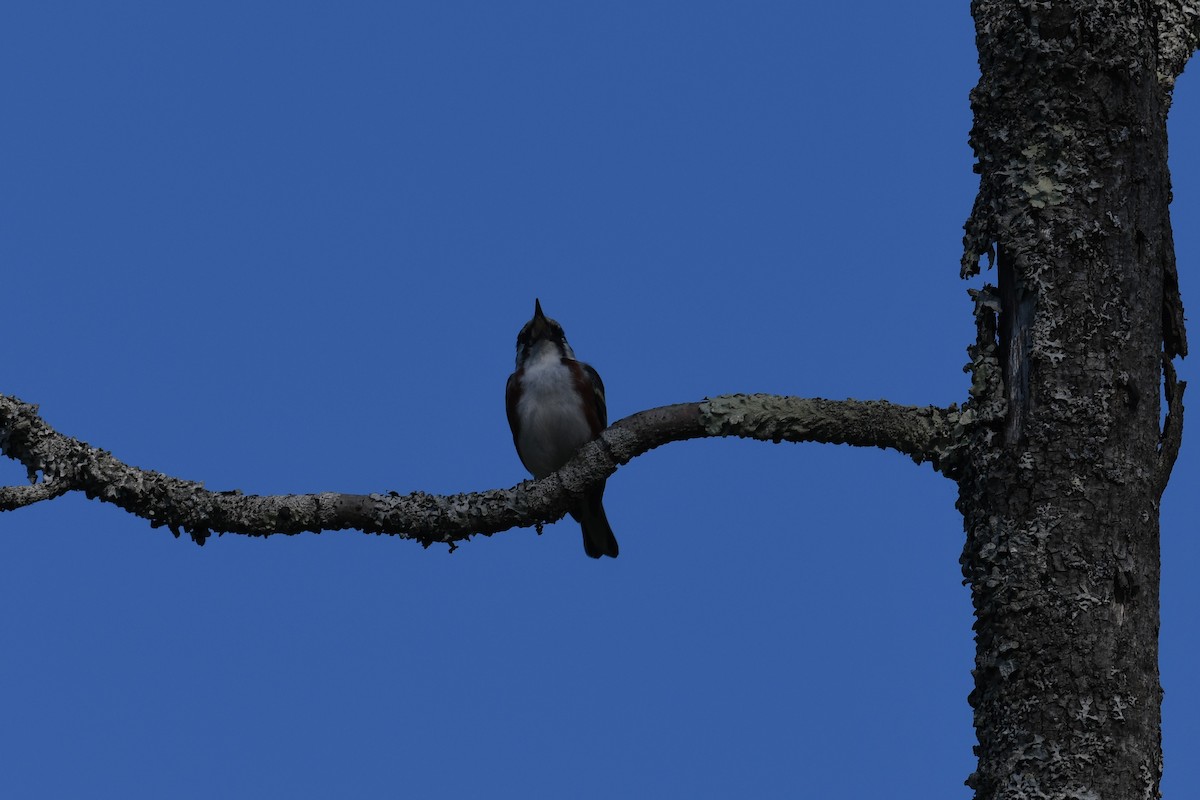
[
  {"x": 512, "y": 393},
  {"x": 598, "y": 391}
]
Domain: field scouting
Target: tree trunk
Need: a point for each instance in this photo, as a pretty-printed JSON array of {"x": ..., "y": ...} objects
[{"x": 1060, "y": 488}]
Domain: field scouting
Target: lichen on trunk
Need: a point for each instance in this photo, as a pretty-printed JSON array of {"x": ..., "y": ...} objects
[{"x": 1060, "y": 487}]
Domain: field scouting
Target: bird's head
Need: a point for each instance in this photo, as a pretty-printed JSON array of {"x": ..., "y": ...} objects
[{"x": 541, "y": 337}]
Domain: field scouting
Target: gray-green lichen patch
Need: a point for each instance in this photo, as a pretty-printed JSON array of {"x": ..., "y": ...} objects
[
  {"x": 1044, "y": 192},
  {"x": 923, "y": 433}
]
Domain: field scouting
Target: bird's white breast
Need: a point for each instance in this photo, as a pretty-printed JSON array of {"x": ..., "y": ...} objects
[{"x": 553, "y": 425}]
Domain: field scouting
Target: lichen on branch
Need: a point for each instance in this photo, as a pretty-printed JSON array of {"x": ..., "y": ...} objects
[{"x": 67, "y": 464}]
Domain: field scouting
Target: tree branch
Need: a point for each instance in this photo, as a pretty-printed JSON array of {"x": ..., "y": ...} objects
[
  {"x": 1172, "y": 430},
  {"x": 1178, "y": 37},
  {"x": 14, "y": 497},
  {"x": 925, "y": 434}
]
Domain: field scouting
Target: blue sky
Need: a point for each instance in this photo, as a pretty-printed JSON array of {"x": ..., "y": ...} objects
[{"x": 287, "y": 247}]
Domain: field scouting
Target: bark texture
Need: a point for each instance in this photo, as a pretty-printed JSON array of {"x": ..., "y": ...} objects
[{"x": 1067, "y": 462}]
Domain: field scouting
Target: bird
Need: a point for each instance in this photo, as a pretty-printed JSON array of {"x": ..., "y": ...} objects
[{"x": 555, "y": 406}]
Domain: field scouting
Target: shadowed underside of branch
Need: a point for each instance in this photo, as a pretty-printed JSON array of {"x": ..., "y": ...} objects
[
  {"x": 1178, "y": 28},
  {"x": 65, "y": 464}
]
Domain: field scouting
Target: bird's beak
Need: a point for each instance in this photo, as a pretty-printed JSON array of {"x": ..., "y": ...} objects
[{"x": 540, "y": 323}]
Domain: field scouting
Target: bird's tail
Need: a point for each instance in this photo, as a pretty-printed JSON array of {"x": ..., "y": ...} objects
[{"x": 598, "y": 539}]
